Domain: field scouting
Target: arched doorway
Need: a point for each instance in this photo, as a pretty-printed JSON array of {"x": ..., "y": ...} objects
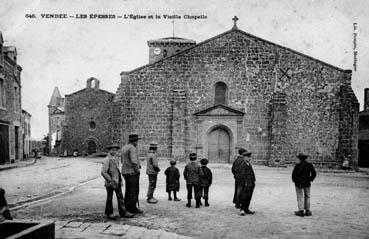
[
  {"x": 91, "y": 147},
  {"x": 219, "y": 146}
]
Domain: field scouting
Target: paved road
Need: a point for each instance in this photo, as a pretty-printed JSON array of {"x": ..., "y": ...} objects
[{"x": 340, "y": 205}]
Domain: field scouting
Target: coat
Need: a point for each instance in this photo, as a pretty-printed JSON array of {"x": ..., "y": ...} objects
[
  {"x": 110, "y": 172},
  {"x": 243, "y": 171},
  {"x": 206, "y": 178},
  {"x": 172, "y": 180},
  {"x": 303, "y": 174},
  {"x": 152, "y": 164},
  {"x": 192, "y": 173},
  {"x": 130, "y": 162}
]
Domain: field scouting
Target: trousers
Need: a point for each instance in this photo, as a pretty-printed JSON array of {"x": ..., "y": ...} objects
[
  {"x": 152, "y": 185},
  {"x": 303, "y": 198},
  {"x": 109, "y": 200},
  {"x": 132, "y": 191},
  {"x": 205, "y": 192},
  {"x": 197, "y": 190}
]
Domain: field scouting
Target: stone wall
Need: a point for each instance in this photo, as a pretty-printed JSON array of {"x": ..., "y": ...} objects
[
  {"x": 82, "y": 108},
  {"x": 253, "y": 70}
]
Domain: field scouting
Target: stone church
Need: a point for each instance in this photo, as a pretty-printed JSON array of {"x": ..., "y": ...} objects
[
  {"x": 80, "y": 122},
  {"x": 238, "y": 90}
]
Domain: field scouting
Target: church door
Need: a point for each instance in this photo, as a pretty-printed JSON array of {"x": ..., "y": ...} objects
[
  {"x": 218, "y": 146},
  {"x": 91, "y": 147}
]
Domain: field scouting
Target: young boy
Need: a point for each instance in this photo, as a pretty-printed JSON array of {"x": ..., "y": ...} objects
[
  {"x": 172, "y": 181},
  {"x": 205, "y": 181},
  {"x": 192, "y": 173},
  {"x": 303, "y": 174}
]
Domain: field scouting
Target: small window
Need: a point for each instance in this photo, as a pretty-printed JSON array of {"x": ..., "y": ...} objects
[
  {"x": 165, "y": 53},
  {"x": 2, "y": 94},
  {"x": 16, "y": 106},
  {"x": 92, "y": 125},
  {"x": 220, "y": 93}
]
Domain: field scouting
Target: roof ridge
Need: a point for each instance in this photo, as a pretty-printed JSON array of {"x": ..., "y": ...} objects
[{"x": 244, "y": 33}]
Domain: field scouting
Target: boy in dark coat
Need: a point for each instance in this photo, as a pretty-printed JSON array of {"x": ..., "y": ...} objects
[
  {"x": 192, "y": 173},
  {"x": 303, "y": 174},
  {"x": 205, "y": 180},
  {"x": 172, "y": 181}
]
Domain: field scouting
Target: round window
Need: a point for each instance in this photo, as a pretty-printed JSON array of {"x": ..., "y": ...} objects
[{"x": 92, "y": 125}]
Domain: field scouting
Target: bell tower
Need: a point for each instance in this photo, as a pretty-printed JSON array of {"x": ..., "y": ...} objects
[{"x": 166, "y": 47}]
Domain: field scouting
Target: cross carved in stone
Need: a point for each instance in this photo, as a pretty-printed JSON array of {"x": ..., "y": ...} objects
[{"x": 235, "y": 19}]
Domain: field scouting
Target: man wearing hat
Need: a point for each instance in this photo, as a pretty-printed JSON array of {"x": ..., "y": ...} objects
[
  {"x": 245, "y": 181},
  {"x": 152, "y": 170},
  {"x": 113, "y": 183},
  {"x": 302, "y": 175},
  {"x": 192, "y": 173},
  {"x": 131, "y": 173}
]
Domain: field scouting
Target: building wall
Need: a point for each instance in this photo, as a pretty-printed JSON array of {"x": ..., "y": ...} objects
[
  {"x": 81, "y": 108},
  {"x": 10, "y": 111},
  {"x": 253, "y": 70}
]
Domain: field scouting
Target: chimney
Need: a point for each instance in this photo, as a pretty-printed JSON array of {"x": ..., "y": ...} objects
[{"x": 366, "y": 99}]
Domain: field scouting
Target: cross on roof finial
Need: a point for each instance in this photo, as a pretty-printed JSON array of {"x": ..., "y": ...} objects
[{"x": 235, "y": 19}]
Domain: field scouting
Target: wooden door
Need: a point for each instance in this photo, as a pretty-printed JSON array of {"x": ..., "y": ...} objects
[
  {"x": 4, "y": 144},
  {"x": 91, "y": 147},
  {"x": 219, "y": 146}
]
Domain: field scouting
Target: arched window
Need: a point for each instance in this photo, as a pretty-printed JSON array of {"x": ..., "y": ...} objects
[{"x": 220, "y": 93}]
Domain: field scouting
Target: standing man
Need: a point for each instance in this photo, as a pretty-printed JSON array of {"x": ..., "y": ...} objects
[
  {"x": 245, "y": 180},
  {"x": 303, "y": 174},
  {"x": 131, "y": 173},
  {"x": 113, "y": 183},
  {"x": 235, "y": 165},
  {"x": 152, "y": 171}
]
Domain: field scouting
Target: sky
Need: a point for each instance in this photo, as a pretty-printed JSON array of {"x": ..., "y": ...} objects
[{"x": 66, "y": 52}]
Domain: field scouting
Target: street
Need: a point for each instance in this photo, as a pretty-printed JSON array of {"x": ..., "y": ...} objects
[{"x": 339, "y": 202}]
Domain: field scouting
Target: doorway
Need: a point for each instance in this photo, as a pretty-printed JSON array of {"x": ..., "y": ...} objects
[
  {"x": 4, "y": 143},
  {"x": 219, "y": 146},
  {"x": 364, "y": 153},
  {"x": 91, "y": 148}
]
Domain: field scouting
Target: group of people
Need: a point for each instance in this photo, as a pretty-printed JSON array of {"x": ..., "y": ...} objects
[{"x": 198, "y": 180}]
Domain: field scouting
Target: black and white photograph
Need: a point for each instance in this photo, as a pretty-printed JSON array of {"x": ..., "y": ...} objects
[{"x": 184, "y": 119}]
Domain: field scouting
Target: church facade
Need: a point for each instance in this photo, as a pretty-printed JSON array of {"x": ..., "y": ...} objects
[{"x": 237, "y": 90}]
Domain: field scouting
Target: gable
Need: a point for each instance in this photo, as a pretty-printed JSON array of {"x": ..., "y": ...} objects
[
  {"x": 219, "y": 110},
  {"x": 239, "y": 33}
]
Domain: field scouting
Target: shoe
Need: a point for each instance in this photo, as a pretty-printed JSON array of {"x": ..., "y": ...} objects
[
  {"x": 170, "y": 199},
  {"x": 238, "y": 206},
  {"x": 308, "y": 213},
  {"x": 127, "y": 215},
  {"x": 200, "y": 203},
  {"x": 152, "y": 200},
  {"x": 111, "y": 217},
  {"x": 242, "y": 213},
  {"x": 188, "y": 205},
  {"x": 177, "y": 199},
  {"x": 197, "y": 205},
  {"x": 299, "y": 213},
  {"x": 207, "y": 204},
  {"x": 137, "y": 211},
  {"x": 249, "y": 212}
]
